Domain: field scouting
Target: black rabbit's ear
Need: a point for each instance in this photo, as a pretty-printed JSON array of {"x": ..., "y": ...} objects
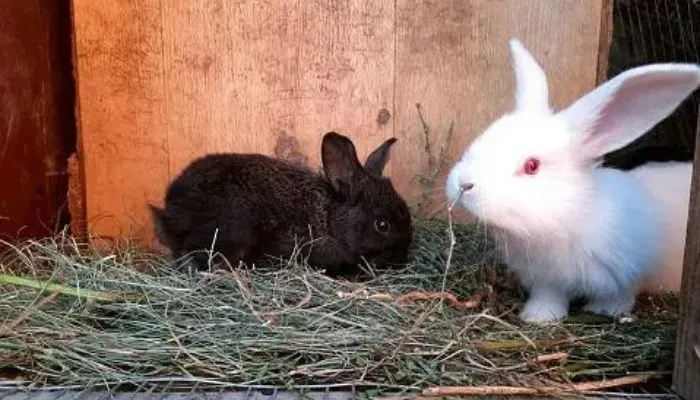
[
  {"x": 340, "y": 162},
  {"x": 377, "y": 160}
]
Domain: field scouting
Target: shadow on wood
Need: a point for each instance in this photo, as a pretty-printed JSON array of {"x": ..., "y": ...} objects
[{"x": 37, "y": 125}]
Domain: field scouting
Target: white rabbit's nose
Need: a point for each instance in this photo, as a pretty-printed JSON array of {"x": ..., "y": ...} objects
[{"x": 466, "y": 186}]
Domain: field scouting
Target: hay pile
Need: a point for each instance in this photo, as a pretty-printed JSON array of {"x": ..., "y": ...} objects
[{"x": 135, "y": 317}]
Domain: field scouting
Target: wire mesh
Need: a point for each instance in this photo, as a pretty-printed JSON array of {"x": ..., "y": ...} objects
[{"x": 649, "y": 31}]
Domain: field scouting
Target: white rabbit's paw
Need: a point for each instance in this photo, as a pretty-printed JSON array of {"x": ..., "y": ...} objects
[
  {"x": 541, "y": 312},
  {"x": 611, "y": 306}
]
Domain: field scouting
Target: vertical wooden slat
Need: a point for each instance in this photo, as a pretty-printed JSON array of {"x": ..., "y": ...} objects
[
  {"x": 122, "y": 106},
  {"x": 36, "y": 116},
  {"x": 686, "y": 376},
  {"x": 273, "y": 77},
  {"x": 453, "y": 58}
]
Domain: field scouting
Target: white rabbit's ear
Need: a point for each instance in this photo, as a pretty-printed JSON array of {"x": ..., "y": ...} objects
[
  {"x": 531, "y": 91},
  {"x": 626, "y": 107}
]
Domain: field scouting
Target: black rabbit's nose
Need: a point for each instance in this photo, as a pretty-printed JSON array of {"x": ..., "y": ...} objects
[{"x": 467, "y": 186}]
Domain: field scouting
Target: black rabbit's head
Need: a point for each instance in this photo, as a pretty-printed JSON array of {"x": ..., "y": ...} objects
[{"x": 369, "y": 215}]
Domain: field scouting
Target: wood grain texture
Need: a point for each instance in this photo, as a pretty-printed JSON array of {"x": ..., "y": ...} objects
[
  {"x": 162, "y": 83},
  {"x": 686, "y": 377},
  {"x": 454, "y": 59},
  {"x": 273, "y": 77},
  {"x": 36, "y": 116},
  {"x": 122, "y": 109}
]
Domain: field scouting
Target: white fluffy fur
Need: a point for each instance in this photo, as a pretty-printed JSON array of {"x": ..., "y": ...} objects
[
  {"x": 669, "y": 183},
  {"x": 573, "y": 228}
]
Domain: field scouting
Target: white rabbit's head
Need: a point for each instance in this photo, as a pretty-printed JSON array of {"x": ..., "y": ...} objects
[{"x": 531, "y": 171}]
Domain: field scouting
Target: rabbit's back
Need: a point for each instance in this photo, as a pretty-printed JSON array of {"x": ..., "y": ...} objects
[
  {"x": 670, "y": 184},
  {"x": 267, "y": 184},
  {"x": 253, "y": 203}
]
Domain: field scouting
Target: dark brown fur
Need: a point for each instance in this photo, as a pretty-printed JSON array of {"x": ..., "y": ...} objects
[{"x": 260, "y": 205}]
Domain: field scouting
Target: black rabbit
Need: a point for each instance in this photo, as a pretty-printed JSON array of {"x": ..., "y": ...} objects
[{"x": 260, "y": 206}]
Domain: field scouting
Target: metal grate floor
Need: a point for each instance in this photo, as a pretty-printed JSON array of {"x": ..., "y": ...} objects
[{"x": 180, "y": 391}]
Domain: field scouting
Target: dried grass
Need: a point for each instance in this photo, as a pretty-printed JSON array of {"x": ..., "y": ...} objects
[{"x": 132, "y": 317}]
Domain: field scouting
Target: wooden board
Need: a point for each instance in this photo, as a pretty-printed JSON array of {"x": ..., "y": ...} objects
[
  {"x": 686, "y": 377},
  {"x": 36, "y": 116},
  {"x": 161, "y": 84}
]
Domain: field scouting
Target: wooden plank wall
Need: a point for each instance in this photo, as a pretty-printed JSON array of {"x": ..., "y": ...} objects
[
  {"x": 686, "y": 376},
  {"x": 37, "y": 126},
  {"x": 161, "y": 83}
]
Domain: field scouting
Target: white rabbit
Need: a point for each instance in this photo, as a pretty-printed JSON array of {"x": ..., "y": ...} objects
[{"x": 566, "y": 226}]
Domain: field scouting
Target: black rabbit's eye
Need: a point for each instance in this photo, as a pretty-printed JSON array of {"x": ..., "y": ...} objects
[{"x": 381, "y": 225}]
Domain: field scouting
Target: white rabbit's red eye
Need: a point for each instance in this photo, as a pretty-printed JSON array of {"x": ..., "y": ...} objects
[{"x": 531, "y": 166}]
